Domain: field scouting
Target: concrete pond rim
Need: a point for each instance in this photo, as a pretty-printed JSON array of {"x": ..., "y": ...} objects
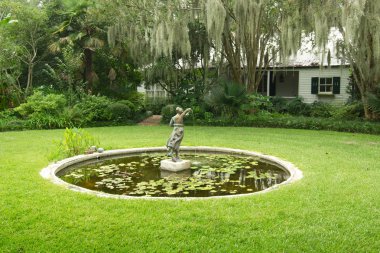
[{"x": 50, "y": 172}]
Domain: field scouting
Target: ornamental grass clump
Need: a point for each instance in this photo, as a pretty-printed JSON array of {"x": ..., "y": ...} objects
[{"x": 75, "y": 141}]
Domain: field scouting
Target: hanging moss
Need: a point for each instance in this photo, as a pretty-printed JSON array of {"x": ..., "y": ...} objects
[{"x": 216, "y": 15}]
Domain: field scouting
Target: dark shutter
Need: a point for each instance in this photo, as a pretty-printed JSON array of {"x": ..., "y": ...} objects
[
  {"x": 336, "y": 85},
  {"x": 314, "y": 85}
]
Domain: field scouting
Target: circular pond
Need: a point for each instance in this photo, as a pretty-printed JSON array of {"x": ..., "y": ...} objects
[{"x": 136, "y": 173}]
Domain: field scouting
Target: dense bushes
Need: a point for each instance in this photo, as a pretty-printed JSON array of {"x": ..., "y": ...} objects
[
  {"x": 168, "y": 112},
  {"x": 287, "y": 121},
  {"x": 47, "y": 111},
  {"x": 155, "y": 105},
  {"x": 43, "y": 111}
]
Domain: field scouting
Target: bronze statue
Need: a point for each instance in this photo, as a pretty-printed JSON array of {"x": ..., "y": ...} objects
[{"x": 176, "y": 137}]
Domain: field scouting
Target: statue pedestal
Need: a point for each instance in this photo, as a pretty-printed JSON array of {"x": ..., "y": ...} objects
[{"x": 169, "y": 165}]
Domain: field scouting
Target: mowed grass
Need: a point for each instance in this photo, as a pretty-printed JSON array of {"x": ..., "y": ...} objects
[{"x": 334, "y": 208}]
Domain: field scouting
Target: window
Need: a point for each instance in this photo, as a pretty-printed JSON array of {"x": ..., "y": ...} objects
[{"x": 325, "y": 85}]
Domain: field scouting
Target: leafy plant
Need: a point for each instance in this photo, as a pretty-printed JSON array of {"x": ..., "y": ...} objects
[
  {"x": 374, "y": 102},
  {"x": 94, "y": 108},
  {"x": 226, "y": 98},
  {"x": 119, "y": 111},
  {"x": 75, "y": 142},
  {"x": 298, "y": 107},
  {"x": 46, "y": 121},
  {"x": 320, "y": 109},
  {"x": 155, "y": 105},
  {"x": 349, "y": 111},
  {"x": 39, "y": 103},
  {"x": 257, "y": 102},
  {"x": 168, "y": 112}
]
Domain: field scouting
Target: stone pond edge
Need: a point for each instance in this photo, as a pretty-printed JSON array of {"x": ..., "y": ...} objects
[{"x": 50, "y": 171}]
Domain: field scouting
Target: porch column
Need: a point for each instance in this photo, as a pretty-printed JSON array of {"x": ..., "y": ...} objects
[{"x": 268, "y": 82}]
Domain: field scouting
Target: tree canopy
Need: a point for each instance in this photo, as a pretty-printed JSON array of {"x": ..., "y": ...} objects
[{"x": 181, "y": 44}]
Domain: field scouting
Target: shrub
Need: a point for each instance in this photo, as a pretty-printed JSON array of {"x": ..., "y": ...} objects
[
  {"x": 119, "y": 111},
  {"x": 278, "y": 104},
  {"x": 265, "y": 119},
  {"x": 9, "y": 121},
  {"x": 94, "y": 108},
  {"x": 46, "y": 121},
  {"x": 137, "y": 101},
  {"x": 349, "y": 112},
  {"x": 321, "y": 110},
  {"x": 155, "y": 105},
  {"x": 38, "y": 103},
  {"x": 297, "y": 107},
  {"x": 209, "y": 117},
  {"x": 197, "y": 112},
  {"x": 226, "y": 98},
  {"x": 168, "y": 112},
  {"x": 257, "y": 102}
]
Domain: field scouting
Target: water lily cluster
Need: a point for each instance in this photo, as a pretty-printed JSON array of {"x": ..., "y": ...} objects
[{"x": 210, "y": 175}]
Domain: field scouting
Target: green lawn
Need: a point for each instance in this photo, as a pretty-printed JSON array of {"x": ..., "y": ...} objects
[{"x": 334, "y": 208}]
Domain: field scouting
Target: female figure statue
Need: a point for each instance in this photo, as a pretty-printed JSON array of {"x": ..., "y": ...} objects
[{"x": 176, "y": 137}]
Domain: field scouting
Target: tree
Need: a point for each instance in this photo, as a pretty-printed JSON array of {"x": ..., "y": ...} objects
[
  {"x": 359, "y": 24},
  {"x": 361, "y": 30},
  {"x": 245, "y": 34},
  {"x": 82, "y": 30},
  {"x": 26, "y": 37}
]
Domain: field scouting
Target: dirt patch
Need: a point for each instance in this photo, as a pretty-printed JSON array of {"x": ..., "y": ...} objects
[{"x": 153, "y": 120}]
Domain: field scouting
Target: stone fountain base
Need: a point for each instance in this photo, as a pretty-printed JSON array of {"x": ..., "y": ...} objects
[{"x": 169, "y": 165}]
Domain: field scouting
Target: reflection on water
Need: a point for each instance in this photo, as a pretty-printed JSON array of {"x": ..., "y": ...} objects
[{"x": 210, "y": 175}]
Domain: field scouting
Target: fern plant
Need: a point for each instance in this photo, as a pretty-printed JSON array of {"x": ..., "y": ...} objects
[{"x": 227, "y": 97}]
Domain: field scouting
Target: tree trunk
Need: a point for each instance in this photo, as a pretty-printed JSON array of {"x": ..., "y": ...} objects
[
  {"x": 88, "y": 69},
  {"x": 231, "y": 45},
  {"x": 365, "y": 87},
  {"x": 29, "y": 84}
]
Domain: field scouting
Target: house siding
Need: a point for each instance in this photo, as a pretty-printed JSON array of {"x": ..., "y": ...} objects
[{"x": 304, "y": 89}]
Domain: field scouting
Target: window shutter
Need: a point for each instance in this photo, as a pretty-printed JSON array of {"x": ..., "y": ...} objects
[
  {"x": 314, "y": 85},
  {"x": 336, "y": 85}
]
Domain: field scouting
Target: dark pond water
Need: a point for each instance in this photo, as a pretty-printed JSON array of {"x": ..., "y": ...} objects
[{"x": 210, "y": 175}]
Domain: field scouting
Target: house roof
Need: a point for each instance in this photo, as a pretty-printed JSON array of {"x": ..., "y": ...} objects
[{"x": 311, "y": 56}]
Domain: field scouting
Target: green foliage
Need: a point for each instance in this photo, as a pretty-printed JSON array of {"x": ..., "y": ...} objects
[
  {"x": 64, "y": 74},
  {"x": 279, "y": 104},
  {"x": 352, "y": 111},
  {"x": 226, "y": 98},
  {"x": 257, "y": 102},
  {"x": 43, "y": 111},
  {"x": 9, "y": 121},
  {"x": 168, "y": 112},
  {"x": 374, "y": 101},
  {"x": 136, "y": 101},
  {"x": 321, "y": 110},
  {"x": 75, "y": 142},
  {"x": 119, "y": 111},
  {"x": 40, "y": 104},
  {"x": 46, "y": 121},
  {"x": 93, "y": 108},
  {"x": 209, "y": 117},
  {"x": 297, "y": 107},
  {"x": 283, "y": 121},
  {"x": 155, "y": 105}
]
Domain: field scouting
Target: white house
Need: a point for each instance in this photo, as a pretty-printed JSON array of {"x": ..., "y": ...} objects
[
  {"x": 302, "y": 75},
  {"x": 312, "y": 83}
]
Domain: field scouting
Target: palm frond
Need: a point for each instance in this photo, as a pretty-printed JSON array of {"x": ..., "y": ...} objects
[{"x": 374, "y": 102}]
